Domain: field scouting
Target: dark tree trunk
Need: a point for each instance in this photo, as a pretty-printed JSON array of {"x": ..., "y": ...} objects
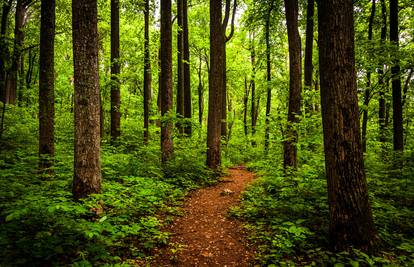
[
  {"x": 268, "y": 78},
  {"x": 295, "y": 84},
  {"x": 367, "y": 95},
  {"x": 4, "y": 50},
  {"x": 253, "y": 85},
  {"x": 308, "y": 71},
  {"x": 406, "y": 85},
  {"x": 245, "y": 107},
  {"x": 115, "y": 71},
  {"x": 166, "y": 81},
  {"x": 20, "y": 88},
  {"x": 216, "y": 80},
  {"x": 87, "y": 178},
  {"x": 187, "y": 74},
  {"x": 11, "y": 81},
  {"x": 396, "y": 81},
  {"x": 180, "y": 67},
  {"x": 147, "y": 71},
  {"x": 200, "y": 94},
  {"x": 351, "y": 222},
  {"x": 381, "y": 82},
  {"x": 47, "y": 85}
]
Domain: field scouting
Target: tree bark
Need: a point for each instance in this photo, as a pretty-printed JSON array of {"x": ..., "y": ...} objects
[
  {"x": 396, "y": 81},
  {"x": 216, "y": 83},
  {"x": 295, "y": 84},
  {"x": 187, "y": 74},
  {"x": 200, "y": 94},
  {"x": 308, "y": 71},
  {"x": 367, "y": 95},
  {"x": 180, "y": 67},
  {"x": 115, "y": 71},
  {"x": 381, "y": 82},
  {"x": 245, "y": 107},
  {"x": 87, "y": 177},
  {"x": 351, "y": 222},
  {"x": 147, "y": 72},
  {"x": 47, "y": 85},
  {"x": 166, "y": 82},
  {"x": 4, "y": 50},
  {"x": 253, "y": 84}
]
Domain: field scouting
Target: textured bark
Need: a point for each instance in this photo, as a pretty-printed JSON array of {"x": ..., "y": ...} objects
[
  {"x": 254, "y": 102},
  {"x": 367, "y": 94},
  {"x": 115, "y": 71},
  {"x": 268, "y": 78},
  {"x": 87, "y": 177},
  {"x": 11, "y": 81},
  {"x": 381, "y": 82},
  {"x": 147, "y": 71},
  {"x": 200, "y": 90},
  {"x": 308, "y": 71},
  {"x": 295, "y": 84},
  {"x": 4, "y": 50},
  {"x": 180, "y": 66},
  {"x": 351, "y": 222},
  {"x": 216, "y": 83},
  {"x": 396, "y": 81},
  {"x": 187, "y": 74},
  {"x": 47, "y": 85},
  {"x": 166, "y": 81}
]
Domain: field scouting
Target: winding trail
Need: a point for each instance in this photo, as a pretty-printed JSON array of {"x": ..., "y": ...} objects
[{"x": 205, "y": 236}]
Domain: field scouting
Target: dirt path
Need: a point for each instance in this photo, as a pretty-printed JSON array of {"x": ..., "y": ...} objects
[{"x": 205, "y": 236}]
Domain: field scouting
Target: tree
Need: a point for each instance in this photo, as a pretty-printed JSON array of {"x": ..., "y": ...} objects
[
  {"x": 46, "y": 84},
  {"x": 186, "y": 70},
  {"x": 396, "y": 81},
  {"x": 308, "y": 70},
  {"x": 4, "y": 51},
  {"x": 268, "y": 78},
  {"x": 180, "y": 66},
  {"x": 147, "y": 71},
  {"x": 216, "y": 84},
  {"x": 381, "y": 82},
  {"x": 166, "y": 81},
  {"x": 295, "y": 84},
  {"x": 87, "y": 176},
  {"x": 351, "y": 222},
  {"x": 115, "y": 71}
]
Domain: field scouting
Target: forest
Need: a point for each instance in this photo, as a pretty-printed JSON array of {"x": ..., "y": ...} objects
[{"x": 207, "y": 133}]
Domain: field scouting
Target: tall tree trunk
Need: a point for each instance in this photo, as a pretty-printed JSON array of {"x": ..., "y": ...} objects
[
  {"x": 47, "y": 85},
  {"x": 11, "y": 81},
  {"x": 166, "y": 81},
  {"x": 268, "y": 79},
  {"x": 20, "y": 87},
  {"x": 4, "y": 50},
  {"x": 115, "y": 71},
  {"x": 147, "y": 71},
  {"x": 396, "y": 81},
  {"x": 216, "y": 80},
  {"x": 295, "y": 84},
  {"x": 381, "y": 82},
  {"x": 200, "y": 94},
  {"x": 367, "y": 95},
  {"x": 308, "y": 71},
  {"x": 87, "y": 177},
  {"x": 180, "y": 67},
  {"x": 351, "y": 222},
  {"x": 245, "y": 107},
  {"x": 253, "y": 84},
  {"x": 187, "y": 74}
]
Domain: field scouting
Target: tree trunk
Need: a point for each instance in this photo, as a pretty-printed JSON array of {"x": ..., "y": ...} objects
[
  {"x": 381, "y": 83},
  {"x": 47, "y": 85},
  {"x": 166, "y": 82},
  {"x": 187, "y": 74},
  {"x": 4, "y": 50},
  {"x": 180, "y": 67},
  {"x": 11, "y": 81},
  {"x": 253, "y": 85},
  {"x": 351, "y": 222},
  {"x": 200, "y": 94},
  {"x": 295, "y": 84},
  {"x": 147, "y": 72},
  {"x": 396, "y": 81},
  {"x": 216, "y": 80},
  {"x": 115, "y": 71},
  {"x": 308, "y": 71},
  {"x": 87, "y": 177},
  {"x": 268, "y": 79},
  {"x": 245, "y": 108},
  {"x": 368, "y": 88}
]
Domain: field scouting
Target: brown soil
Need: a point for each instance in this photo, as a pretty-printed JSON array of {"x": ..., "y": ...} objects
[{"x": 205, "y": 236}]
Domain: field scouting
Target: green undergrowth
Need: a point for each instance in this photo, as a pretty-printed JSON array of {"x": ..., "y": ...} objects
[
  {"x": 287, "y": 218},
  {"x": 41, "y": 225}
]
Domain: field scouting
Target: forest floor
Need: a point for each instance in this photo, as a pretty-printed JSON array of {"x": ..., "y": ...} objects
[{"x": 205, "y": 235}]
